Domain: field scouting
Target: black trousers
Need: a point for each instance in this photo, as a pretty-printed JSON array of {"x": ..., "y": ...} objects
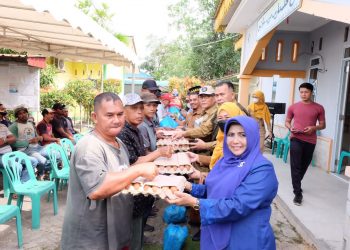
[{"x": 300, "y": 158}]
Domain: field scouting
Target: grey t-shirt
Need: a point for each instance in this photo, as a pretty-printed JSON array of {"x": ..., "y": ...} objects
[
  {"x": 148, "y": 132},
  {"x": 100, "y": 224}
]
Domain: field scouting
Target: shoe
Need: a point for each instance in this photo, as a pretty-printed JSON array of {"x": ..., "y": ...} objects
[
  {"x": 298, "y": 199},
  {"x": 197, "y": 236},
  {"x": 152, "y": 214},
  {"x": 148, "y": 228}
]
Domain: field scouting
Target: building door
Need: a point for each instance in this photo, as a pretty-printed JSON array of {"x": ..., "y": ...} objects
[{"x": 345, "y": 115}]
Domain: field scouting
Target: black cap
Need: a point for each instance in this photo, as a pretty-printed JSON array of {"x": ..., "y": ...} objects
[
  {"x": 150, "y": 84},
  {"x": 194, "y": 90},
  {"x": 58, "y": 106}
]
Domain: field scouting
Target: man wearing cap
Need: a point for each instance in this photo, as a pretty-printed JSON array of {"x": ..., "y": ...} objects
[
  {"x": 148, "y": 126},
  {"x": 3, "y": 116},
  {"x": 163, "y": 108},
  {"x": 98, "y": 215},
  {"x": 70, "y": 126},
  {"x": 132, "y": 138},
  {"x": 196, "y": 110},
  {"x": 44, "y": 127},
  {"x": 59, "y": 123},
  {"x": 150, "y": 86},
  {"x": 27, "y": 139},
  {"x": 206, "y": 129}
]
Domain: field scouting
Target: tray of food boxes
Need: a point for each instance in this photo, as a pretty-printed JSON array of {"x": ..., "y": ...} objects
[
  {"x": 178, "y": 145},
  {"x": 163, "y": 186},
  {"x": 179, "y": 163}
]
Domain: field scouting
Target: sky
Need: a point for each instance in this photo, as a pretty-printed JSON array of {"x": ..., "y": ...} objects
[{"x": 141, "y": 18}]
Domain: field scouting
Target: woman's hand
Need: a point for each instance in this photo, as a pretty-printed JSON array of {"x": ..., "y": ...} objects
[
  {"x": 196, "y": 174},
  {"x": 183, "y": 199}
]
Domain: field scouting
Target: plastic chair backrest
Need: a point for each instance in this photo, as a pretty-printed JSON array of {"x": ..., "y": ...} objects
[
  {"x": 77, "y": 137},
  {"x": 52, "y": 150},
  {"x": 68, "y": 146},
  {"x": 12, "y": 163}
]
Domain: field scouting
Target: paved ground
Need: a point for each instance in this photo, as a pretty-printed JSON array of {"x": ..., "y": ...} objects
[{"x": 48, "y": 236}]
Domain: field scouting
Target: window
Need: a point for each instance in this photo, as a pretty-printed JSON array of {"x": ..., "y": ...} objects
[
  {"x": 263, "y": 54},
  {"x": 320, "y": 43},
  {"x": 312, "y": 46},
  {"x": 346, "y": 34},
  {"x": 99, "y": 72},
  {"x": 295, "y": 51},
  {"x": 90, "y": 72},
  {"x": 279, "y": 51},
  {"x": 83, "y": 72},
  {"x": 76, "y": 72}
]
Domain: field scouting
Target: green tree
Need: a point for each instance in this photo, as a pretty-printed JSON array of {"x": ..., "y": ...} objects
[
  {"x": 102, "y": 15},
  {"x": 47, "y": 76},
  {"x": 198, "y": 51},
  {"x": 48, "y": 99},
  {"x": 83, "y": 93}
]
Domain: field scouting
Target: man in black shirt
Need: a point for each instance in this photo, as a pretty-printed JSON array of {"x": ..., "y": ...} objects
[
  {"x": 59, "y": 123},
  {"x": 132, "y": 138}
]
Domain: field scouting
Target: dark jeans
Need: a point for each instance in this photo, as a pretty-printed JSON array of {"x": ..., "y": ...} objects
[{"x": 300, "y": 158}]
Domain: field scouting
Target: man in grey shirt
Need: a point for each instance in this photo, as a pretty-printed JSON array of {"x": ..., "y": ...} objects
[{"x": 98, "y": 215}]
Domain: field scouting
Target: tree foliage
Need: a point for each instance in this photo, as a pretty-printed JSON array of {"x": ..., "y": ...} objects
[
  {"x": 47, "y": 76},
  {"x": 48, "y": 99},
  {"x": 198, "y": 51},
  {"x": 82, "y": 91},
  {"x": 102, "y": 15}
]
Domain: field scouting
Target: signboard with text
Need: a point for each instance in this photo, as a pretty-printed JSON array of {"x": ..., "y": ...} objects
[{"x": 279, "y": 11}]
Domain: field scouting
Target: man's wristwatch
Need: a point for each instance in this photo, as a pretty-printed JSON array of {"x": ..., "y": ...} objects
[{"x": 196, "y": 206}]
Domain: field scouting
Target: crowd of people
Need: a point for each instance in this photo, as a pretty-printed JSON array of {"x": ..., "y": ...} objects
[
  {"x": 24, "y": 135},
  {"x": 230, "y": 190}
]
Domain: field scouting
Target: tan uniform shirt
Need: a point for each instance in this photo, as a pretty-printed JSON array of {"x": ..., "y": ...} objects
[
  {"x": 206, "y": 128},
  {"x": 192, "y": 117}
]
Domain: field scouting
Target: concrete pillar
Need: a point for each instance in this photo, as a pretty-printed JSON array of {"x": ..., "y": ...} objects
[
  {"x": 243, "y": 94},
  {"x": 292, "y": 91}
]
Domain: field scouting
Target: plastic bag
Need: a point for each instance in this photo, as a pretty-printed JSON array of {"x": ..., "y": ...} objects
[
  {"x": 174, "y": 237},
  {"x": 174, "y": 214},
  {"x": 176, "y": 111},
  {"x": 168, "y": 122}
]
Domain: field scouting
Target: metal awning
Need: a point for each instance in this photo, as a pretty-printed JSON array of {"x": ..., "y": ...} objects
[{"x": 53, "y": 28}]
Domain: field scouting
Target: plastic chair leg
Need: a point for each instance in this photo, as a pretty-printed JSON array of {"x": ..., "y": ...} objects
[
  {"x": 19, "y": 229},
  {"x": 9, "y": 200},
  {"x": 273, "y": 147},
  {"x": 340, "y": 162},
  {"x": 5, "y": 183},
  {"x": 35, "y": 212},
  {"x": 20, "y": 202},
  {"x": 55, "y": 203},
  {"x": 285, "y": 153}
]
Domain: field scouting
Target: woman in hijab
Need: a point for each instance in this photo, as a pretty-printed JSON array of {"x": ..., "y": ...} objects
[
  {"x": 235, "y": 201},
  {"x": 260, "y": 111}
]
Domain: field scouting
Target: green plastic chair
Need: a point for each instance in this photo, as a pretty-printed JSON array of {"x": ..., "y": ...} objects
[
  {"x": 53, "y": 150},
  {"x": 285, "y": 149},
  {"x": 7, "y": 212},
  {"x": 32, "y": 188},
  {"x": 343, "y": 154},
  {"x": 279, "y": 142},
  {"x": 68, "y": 147},
  {"x": 77, "y": 137}
]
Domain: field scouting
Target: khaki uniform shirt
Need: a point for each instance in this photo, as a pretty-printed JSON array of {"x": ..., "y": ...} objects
[
  {"x": 206, "y": 128},
  {"x": 192, "y": 117}
]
